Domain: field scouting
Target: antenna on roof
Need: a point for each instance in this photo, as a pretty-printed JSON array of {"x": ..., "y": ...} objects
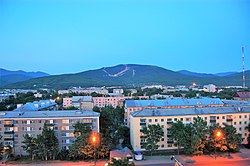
[{"x": 243, "y": 69}]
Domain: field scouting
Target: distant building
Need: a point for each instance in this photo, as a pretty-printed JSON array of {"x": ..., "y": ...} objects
[
  {"x": 108, "y": 101},
  {"x": 119, "y": 91},
  {"x": 38, "y": 95},
  {"x": 5, "y": 96},
  {"x": 125, "y": 153},
  {"x": 152, "y": 86},
  {"x": 209, "y": 88},
  {"x": 61, "y": 92},
  {"x": 15, "y": 124},
  {"x": 242, "y": 96},
  {"x": 135, "y": 105},
  {"x": 67, "y": 102},
  {"x": 85, "y": 102},
  {"x": 239, "y": 118}
]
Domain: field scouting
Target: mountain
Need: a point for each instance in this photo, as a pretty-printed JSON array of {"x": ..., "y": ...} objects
[
  {"x": 189, "y": 73},
  {"x": 126, "y": 75},
  {"x": 8, "y": 77}
]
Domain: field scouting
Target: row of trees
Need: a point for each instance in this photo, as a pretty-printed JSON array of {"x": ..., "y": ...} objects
[
  {"x": 195, "y": 138},
  {"x": 198, "y": 138},
  {"x": 44, "y": 146}
]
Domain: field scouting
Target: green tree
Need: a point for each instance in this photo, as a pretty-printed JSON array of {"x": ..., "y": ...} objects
[
  {"x": 50, "y": 142},
  {"x": 30, "y": 146},
  {"x": 248, "y": 138},
  {"x": 153, "y": 135},
  {"x": 178, "y": 133},
  {"x": 232, "y": 138},
  {"x": 124, "y": 162}
]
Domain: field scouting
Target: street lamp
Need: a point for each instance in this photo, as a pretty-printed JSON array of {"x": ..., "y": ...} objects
[
  {"x": 94, "y": 139},
  {"x": 218, "y": 135}
]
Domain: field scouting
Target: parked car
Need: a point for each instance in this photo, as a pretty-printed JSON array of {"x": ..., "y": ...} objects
[{"x": 138, "y": 156}]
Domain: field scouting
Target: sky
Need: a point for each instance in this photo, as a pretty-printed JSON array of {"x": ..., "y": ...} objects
[{"x": 70, "y": 36}]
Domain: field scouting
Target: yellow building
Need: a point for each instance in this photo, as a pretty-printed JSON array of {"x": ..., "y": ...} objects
[{"x": 238, "y": 117}]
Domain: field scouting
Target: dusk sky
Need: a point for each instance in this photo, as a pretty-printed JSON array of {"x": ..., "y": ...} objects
[{"x": 69, "y": 36}]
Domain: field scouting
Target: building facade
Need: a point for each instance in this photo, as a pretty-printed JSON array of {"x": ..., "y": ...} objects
[
  {"x": 15, "y": 124},
  {"x": 237, "y": 117}
]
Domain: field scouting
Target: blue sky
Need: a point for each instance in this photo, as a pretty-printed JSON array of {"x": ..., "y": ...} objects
[{"x": 69, "y": 36}]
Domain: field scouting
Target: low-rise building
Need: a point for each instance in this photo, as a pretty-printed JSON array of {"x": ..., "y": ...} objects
[
  {"x": 67, "y": 102},
  {"x": 5, "y": 96},
  {"x": 83, "y": 102},
  {"x": 15, "y": 124},
  {"x": 242, "y": 96},
  {"x": 120, "y": 91},
  {"x": 108, "y": 101},
  {"x": 237, "y": 117}
]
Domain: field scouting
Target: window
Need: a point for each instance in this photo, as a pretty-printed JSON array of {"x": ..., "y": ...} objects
[
  {"x": 169, "y": 119},
  {"x": 169, "y": 145},
  {"x": 156, "y": 120},
  {"x": 245, "y": 122},
  {"x": 234, "y": 123},
  {"x": 175, "y": 119},
  {"x": 205, "y": 118},
  {"x": 162, "y": 120},
  {"x": 240, "y": 123},
  {"x": 162, "y": 139},
  {"x": 143, "y": 120},
  {"x": 150, "y": 120},
  {"x": 162, "y": 145},
  {"x": 240, "y": 116},
  {"x": 240, "y": 128},
  {"x": 218, "y": 117},
  {"x": 245, "y": 116},
  {"x": 181, "y": 120},
  {"x": 223, "y": 117}
]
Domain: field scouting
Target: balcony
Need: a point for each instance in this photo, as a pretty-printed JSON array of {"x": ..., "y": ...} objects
[
  {"x": 229, "y": 120},
  {"x": 169, "y": 134},
  {"x": 142, "y": 136},
  {"x": 8, "y": 125},
  {"x": 168, "y": 129},
  {"x": 170, "y": 141},
  {"x": 50, "y": 124},
  {"x": 143, "y": 124},
  {"x": 9, "y": 139},
  {"x": 212, "y": 120},
  {"x": 170, "y": 122},
  {"x": 9, "y": 132}
]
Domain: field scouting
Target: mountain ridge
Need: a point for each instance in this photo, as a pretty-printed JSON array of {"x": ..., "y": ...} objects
[{"x": 125, "y": 75}]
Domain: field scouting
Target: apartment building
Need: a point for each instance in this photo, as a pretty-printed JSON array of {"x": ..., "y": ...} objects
[
  {"x": 15, "y": 124},
  {"x": 135, "y": 105},
  {"x": 85, "y": 102},
  {"x": 238, "y": 117}
]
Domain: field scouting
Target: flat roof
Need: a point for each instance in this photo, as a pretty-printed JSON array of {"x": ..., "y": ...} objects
[
  {"x": 189, "y": 111},
  {"x": 47, "y": 114},
  {"x": 174, "y": 102}
]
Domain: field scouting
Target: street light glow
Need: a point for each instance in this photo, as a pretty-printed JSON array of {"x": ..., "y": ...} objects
[{"x": 218, "y": 134}]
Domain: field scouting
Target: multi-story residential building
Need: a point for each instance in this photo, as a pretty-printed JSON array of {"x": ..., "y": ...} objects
[
  {"x": 237, "y": 117},
  {"x": 85, "y": 102},
  {"x": 15, "y": 124},
  {"x": 135, "y": 105},
  {"x": 209, "y": 88},
  {"x": 108, "y": 101},
  {"x": 67, "y": 102},
  {"x": 5, "y": 96}
]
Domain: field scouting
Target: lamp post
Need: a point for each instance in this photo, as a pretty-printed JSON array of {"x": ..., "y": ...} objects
[
  {"x": 94, "y": 139},
  {"x": 218, "y": 135}
]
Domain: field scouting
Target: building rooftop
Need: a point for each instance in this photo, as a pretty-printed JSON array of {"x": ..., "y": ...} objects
[
  {"x": 36, "y": 106},
  {"x": 189, "y": 111},
  {"x": 47, "y": 114},
  {"x": 242, "y": 94},
  {"x": 174, "y": 102},
  {"x": 82, "y": 99}
]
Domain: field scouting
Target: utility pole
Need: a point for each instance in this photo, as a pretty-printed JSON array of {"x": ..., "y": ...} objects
[{"x": 243, "y": 69}]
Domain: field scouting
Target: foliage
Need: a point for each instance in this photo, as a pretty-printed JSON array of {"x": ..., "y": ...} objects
[
  {"x": 124, "y": 162},
  {"x": 178, "y": 134},
  {"x": 153, "y": 135},
  {"x": 248, "y": 138},
  {"x": 83, "y": 148},
  {"x": 44, "y": 146}
]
